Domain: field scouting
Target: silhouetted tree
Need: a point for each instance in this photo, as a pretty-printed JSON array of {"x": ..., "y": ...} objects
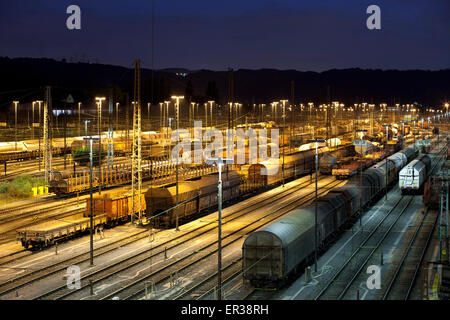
[
  {"x": 189, "y": 91},
  {"x": 211, "y": 91}
]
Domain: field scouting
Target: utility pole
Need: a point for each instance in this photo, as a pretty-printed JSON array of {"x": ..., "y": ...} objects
[
  {"x": 284, "y": 134},
  {"x": 39, "y": 135},
  {"x": 206, "y": 114},
  {"x": 79, "y": 119},
  {"x": 65, "y": 134},
  {"x": 385, "y": 149},
  {"x": 99, "y": 123},
  {"x": 177, "y": 116},
  {"x": 91, "y": 207},
  {"x": 15, "y": 124},
  {"x": 316, "y": 141},
  {"x": 219, "y": 162},
  {"x": 127, "y": 121},
  {"x": 110, "y": 157},
  {"x": 32, "y": 119},
  {"x": 136, "y": 156},
  {"x": 360, "y": 176},
  {"x": 328, "y": 104},
  {"x": 47, "y": 135},
  {"x": 292, "y": 131}
]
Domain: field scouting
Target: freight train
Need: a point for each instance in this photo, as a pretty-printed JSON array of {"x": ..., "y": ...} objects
[
  {"x": 276, "y": 252},
  {"x": 195, "y": 195},
  {"x": 113, "y": 208}
]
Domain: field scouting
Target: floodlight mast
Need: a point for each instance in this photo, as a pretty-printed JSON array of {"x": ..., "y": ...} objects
[{"x": 219, "y": 162}]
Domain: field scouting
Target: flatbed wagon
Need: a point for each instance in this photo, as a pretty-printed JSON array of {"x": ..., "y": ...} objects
[{"x": 50, "y": 232}]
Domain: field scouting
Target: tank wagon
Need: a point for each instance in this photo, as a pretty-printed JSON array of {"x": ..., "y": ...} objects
[
  {"x": 195, "y": 196},
  {"x": 275, "y": 253}
]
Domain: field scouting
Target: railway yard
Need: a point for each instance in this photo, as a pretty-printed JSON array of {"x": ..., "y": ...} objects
[{"x": 366, "y": 222}]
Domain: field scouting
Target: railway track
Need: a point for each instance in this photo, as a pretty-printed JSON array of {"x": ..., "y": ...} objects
[
  {"x": 162, "y": 249},
  {"x": 134, "y": 290},
  {"x": 407, "y": 270},
  {"x": 340, "y": 283},
  {"x": 60, "y": 266},
  {"x": 8, "y": 218},
  {"x": 209, "y": 284}
]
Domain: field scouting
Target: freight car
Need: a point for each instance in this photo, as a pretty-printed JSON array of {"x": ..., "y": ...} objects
[
  {"x": 48, "y": 233},
  {"x": 113, "y": 208},
  {"x": 271, "y": 172},
  {"x": 195, "y": 195},
  {"x": 273, "y": 254},
  {"x": 413, "y": 176}
]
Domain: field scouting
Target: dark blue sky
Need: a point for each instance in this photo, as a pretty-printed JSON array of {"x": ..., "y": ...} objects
[{"x": 289, "y": 34}]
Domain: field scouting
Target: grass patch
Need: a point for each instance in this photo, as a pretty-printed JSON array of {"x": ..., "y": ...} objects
[{"x": 21, "y": 187}]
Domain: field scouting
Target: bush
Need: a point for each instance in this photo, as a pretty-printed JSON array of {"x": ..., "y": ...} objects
[{"x": 21, "y": 187}]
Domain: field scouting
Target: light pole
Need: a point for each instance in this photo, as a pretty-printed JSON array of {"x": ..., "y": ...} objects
[
  {"x": 91, "y": 229},
  {"x": 85, "y": 127},
  {"x": 211, "y": 102},
  {"x": 219, "y": 162},
  {"x": 177, "y": 98},
  {"x": 39, "y": 135},
  {"x": 32, "y": 118},
  {"x": 284, "y": 133},
  {"x": 316, "y": 141},
  {"x": 206, "y": 114},
  {"x": 79, "y": 118},
  {"x": 385, "y": 148},
  {"x": 99, "y": 112},
  {"x": 15, "y": 124},
  {"x": 361, "y": 143},
  {"x": 117, "y": 115},
  {"x": 167, "y": 117}
]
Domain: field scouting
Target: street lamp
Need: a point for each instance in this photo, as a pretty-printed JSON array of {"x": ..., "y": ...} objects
[
  {"x": 91, "y": 210},
  {"x": 316, "y": 141},
  {"x": 176, "y": 168},
  {"x": 15, "y": 124},
  {"x": 219, "y": 162}
]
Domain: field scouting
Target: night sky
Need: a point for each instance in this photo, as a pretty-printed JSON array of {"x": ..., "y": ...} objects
[{"x": 289, "y": 34}]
